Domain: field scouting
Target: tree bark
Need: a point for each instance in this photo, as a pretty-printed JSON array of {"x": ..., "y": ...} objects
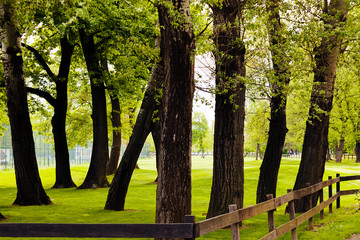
[
  {"x": 258, "y": 154},
  {"x": 357, "y": 152},
  {"x": 315, "y": 144},
  {"x": 277, "y": 131},
  {"x": 173, "y": 195},
  {"x": 142, "y": 128},
  {"x": 29, "y": 187},
  {"x": 113, "y": 162},
  {"x": 96, "y": 176},
  {"x": 340, "y": 150},
  {"x": 228, "y": 171}
]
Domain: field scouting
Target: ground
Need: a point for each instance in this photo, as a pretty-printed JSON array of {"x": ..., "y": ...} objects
[{"x": 355, "y": 237}]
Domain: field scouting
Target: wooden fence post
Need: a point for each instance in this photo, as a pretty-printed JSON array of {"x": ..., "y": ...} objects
[
  {"x": 271, "y": 219},
  {"x": 338, "y": 190},
  {"x": 330, "y": 194},
  {"x": 292, "y": 216},
  {"x": 235, "y": 229},
  {"x": 309, "y": 203},
  {"x": 190, "y": 219},
  {"x": 321, "y": 192}
]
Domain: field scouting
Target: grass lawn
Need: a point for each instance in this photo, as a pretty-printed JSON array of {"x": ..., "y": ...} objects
[{"x": 86, "y": 206}]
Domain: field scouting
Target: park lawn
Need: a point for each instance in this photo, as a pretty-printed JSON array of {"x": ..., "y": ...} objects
[{"x": 86, "y": 206}]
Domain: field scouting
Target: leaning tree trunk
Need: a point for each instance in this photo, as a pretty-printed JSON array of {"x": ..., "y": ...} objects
[
  {"x": 58, "y": 121},
  {"x": 96, "y": 176},
  {"x": 143, "y": 125},
  {"x": 277, "y": 131},
  {"x": 29, "y": 187},
  {"x": 315, "y": 144},
  {"x": 113, "y": 162},
  {"x": 228, "y": 171},
  {"x": 173, "y": 195}
]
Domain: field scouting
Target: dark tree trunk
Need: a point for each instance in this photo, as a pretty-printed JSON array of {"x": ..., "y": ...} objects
[
  {"x": 63, "y": 174},
  {"x": 340, "y": 150},
  {"x": 357, "y": 152},
  {"x": 29, "y": 187},
  {"x": 96, "y": 176},
  {"x": 228, "y": 171},
  {"x": 112, "y": 165},
  {"x": 173, "y": 195},
  {"x": 315, "y": 144},
  {"x": 142, "y": 128},
  {"x": 2, "y": 216},
  {"x": 277, "y": 131},
  {"x": 156, "y": 135},
  {"x": 113, "y": 162}
]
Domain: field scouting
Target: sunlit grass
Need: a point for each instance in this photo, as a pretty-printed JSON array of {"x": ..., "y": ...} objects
[{"x": 86, "y": 206}]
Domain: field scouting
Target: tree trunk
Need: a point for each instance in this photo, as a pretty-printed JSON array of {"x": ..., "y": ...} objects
[
  {"x": 340, "y": 150},
  {"x": 143, "y": 125},
  {"x": 228, "y": 171},
  {"x": 258, "y": 152},
  {"x": 277, "y": 131},
  {"x": 357, "y": 152},
  {"x": 315, "y": 144},
  {"x": 96, "y": 176},
  {"x": 58, "y": 121},
  {"x": 29, "y": 187},
  {"x": 112, "y": 165},
  {"x": 2, "y": 216},
  {"x": 173, "y": 195}
]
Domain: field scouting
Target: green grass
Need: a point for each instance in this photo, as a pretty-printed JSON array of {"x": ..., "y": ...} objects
[{"x": 86, "y": 206}]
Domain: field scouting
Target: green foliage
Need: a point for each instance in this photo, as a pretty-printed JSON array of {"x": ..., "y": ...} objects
[
  {"x": 256, "y": 125},
  {"x": 201, "y": 136}
]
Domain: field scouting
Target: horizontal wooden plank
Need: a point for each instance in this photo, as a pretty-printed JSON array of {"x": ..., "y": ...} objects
[
  {"x": 172, "y": 230},
  {"x": 284, "y": 199},
  {"x": 314, "y": 188},
  {"x": 224, "y": 220},
  {"x": 348, "y": 178},
  {"x": 299, "y": 220},
  {"x": 349, "y": 192}
]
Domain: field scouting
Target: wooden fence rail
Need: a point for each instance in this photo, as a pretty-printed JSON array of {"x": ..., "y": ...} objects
[{"x": 191, "y": 229}]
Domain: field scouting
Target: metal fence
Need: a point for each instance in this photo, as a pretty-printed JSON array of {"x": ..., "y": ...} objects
[{"x": 45, "y": 152}]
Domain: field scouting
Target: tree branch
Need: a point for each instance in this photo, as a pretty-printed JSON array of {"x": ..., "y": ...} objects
[
  {"x": 202, "y": 31},
  {"x": 47, "y": 96},
  {"x": 40, "y": 59}
]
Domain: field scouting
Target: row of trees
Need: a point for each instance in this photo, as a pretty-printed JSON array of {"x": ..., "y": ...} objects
[{"x": 275, "y": 49}]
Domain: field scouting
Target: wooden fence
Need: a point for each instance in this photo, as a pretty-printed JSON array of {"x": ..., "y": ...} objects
[{"x": 191, "y": 229}]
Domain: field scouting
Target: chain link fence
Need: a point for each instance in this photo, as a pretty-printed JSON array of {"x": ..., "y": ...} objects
[{"x": 45, "y": 152}]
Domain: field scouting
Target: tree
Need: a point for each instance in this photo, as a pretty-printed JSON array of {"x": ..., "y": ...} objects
[
  {"x": 256, "y": 127},
  {"x": 30, "y": 189},
  {"x": 143, "y": 126},
  {"x": 277, "y": 127},
  {"x": 59, "y": 103},
  {"x": 326, "y": 59},
  {"x": 228, "y": 170},
  {"x": 200, "y": 129},
  {"x": 173, "y": 195},
  {"x": 96, "y": 176}
]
